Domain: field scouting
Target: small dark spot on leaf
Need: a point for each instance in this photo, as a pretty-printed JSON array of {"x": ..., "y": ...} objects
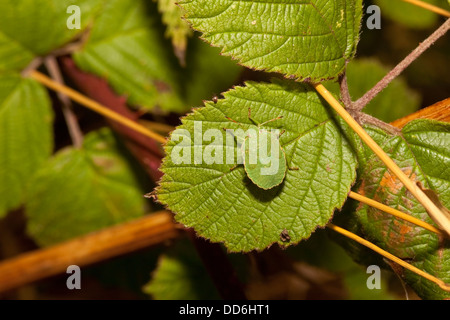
[{"x": 284, "y": 236}]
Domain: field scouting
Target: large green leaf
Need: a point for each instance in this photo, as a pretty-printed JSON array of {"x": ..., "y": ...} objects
[
  {"x": 26, "y": 136},
  {"x": 423, "y": 153},
  {"x": 223, "y": 204},
  {"x": 30, "y": 29},
  {"x": 301, "y": 38},
  {"x": 80, "y": 191}
]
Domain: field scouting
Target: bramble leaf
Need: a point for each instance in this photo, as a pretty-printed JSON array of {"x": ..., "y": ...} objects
[
  {"x": 26, "y": 136},
  {"x": 223, "y": 205},
  {"x": 423, "y": 153},
  {"x": 300, "y": 38},
  {"x": 83, "y": 190}
]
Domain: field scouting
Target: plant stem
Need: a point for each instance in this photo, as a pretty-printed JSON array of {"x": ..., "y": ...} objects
[
  {"x": 85, "y": 250},
  {"x": 71, "y": 120},
  {"x": 432, "y": 209},
  {"x": 364, "y": 118},
  {"x": 345, "y": 94},
  {"x": 383, "y": 83},
  {"x": 389, "y": 256},
  {"x": 429, "y": 7},
  {"x": 95, "y": 106}
]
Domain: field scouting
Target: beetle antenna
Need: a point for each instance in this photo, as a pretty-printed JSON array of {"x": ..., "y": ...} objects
[
  {"x": 232, "y": 120},
  {"x": 274, "y": 119}
]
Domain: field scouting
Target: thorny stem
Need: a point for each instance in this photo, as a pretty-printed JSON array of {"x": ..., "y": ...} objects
[
  {"x": 383, "y": 83},
  {"x": 71, "y": 120},
  {"x": 364, "y": 118},
  {"x": 345, "y": 94},
  {"x": 361, "y": 117}
]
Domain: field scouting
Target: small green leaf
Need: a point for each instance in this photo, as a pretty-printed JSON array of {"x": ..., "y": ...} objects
[
  {"x": 177, "y": 29},
  {"x": 80, "y": 191},
  {"x": 181, "y": 275},
  {"x": 224, "y": 205},
  {"x": 26, "y": 136},
  {"x": 299, "y": 38},
  {"x": 30, "y": 29}
]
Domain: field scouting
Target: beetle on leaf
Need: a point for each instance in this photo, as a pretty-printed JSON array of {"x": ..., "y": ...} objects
[{"x": 263, "y": 157}]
